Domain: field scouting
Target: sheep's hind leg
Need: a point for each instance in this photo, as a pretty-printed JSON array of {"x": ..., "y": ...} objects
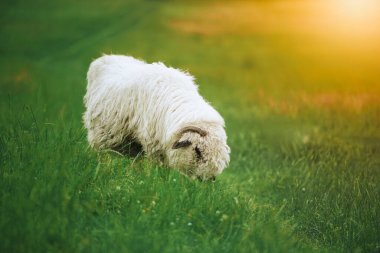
[{"x": 129, "y": 147}]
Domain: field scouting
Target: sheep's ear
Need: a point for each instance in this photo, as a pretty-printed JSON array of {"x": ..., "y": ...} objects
[
  {"x": 193, "y": 129},
  {"x": 181, "y": 144}
]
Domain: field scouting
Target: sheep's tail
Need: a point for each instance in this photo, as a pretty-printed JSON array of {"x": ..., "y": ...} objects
[{"x": 94, "y": 72}]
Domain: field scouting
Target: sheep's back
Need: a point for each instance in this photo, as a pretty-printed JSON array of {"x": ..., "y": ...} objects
[{"x": 148, "y": 101}]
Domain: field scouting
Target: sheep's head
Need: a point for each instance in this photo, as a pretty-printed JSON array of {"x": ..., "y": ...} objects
[{"x": 199, "y": 151}]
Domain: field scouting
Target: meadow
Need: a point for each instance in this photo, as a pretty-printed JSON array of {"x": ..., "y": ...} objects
[{"x": 300, "y": 94}]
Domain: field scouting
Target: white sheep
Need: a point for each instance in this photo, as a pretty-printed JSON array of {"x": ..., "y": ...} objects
[{"x": 134, "y": 106}]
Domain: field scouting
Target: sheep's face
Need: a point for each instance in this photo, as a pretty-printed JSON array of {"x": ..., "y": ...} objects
[{"x": 199, "y": 153}]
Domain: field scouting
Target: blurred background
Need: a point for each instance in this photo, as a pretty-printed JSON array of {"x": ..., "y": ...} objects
[
  {"x": 263, "y": 56},
  {"x": 297, "y": 81}
]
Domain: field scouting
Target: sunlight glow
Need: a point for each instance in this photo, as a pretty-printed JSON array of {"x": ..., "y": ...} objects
[
  {"x": 356, "y": 17},
  {"x": 357, "y": 9}
]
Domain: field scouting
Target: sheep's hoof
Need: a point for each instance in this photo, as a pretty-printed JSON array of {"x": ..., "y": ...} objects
[{"x": 202, "y": 179}]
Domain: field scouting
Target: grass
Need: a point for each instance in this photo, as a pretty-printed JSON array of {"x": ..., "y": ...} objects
[{"x": 302, "y": 116}]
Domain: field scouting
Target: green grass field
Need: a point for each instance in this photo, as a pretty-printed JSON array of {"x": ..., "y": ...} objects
[{"x": 302, "y": 112}]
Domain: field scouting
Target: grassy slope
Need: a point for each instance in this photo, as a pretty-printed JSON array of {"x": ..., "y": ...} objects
[{"x": 297, "y": 180}]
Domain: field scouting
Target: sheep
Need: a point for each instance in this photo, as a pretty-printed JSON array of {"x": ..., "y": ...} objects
[{"x": 133, "y": 106}]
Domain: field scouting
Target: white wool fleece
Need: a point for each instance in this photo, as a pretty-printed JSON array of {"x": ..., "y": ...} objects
[{"x": 128, "y": 100}]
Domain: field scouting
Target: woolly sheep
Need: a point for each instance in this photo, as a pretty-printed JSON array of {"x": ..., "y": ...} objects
[{"x": 133, "y": 106}]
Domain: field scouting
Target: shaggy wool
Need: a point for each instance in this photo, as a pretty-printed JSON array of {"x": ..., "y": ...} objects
[{"x": 133, "y": 105}]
